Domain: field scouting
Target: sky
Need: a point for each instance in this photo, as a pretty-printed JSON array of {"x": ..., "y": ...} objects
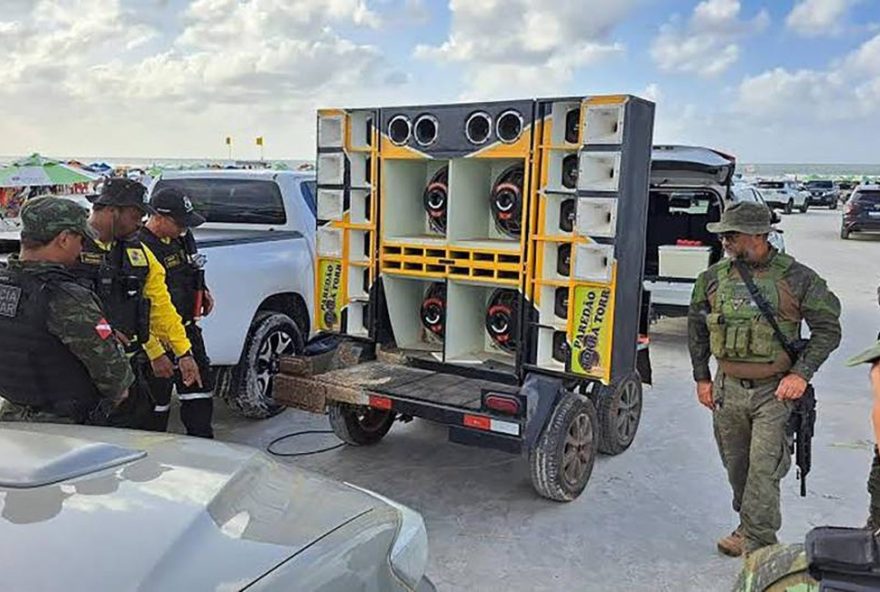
[{"x": 772, "y": 81}]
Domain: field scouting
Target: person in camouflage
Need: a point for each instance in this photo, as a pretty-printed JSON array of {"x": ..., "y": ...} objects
[
  {"x": 60, "y": 362},
  {"x": 756, "y": 383},
  {"x": 872, "y": 356}
]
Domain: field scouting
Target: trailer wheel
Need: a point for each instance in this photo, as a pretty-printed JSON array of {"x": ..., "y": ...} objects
[
  {"x": 562, "y": 461},
  {"x": 619, "y": 408},
  {"x": 247, "y": 388},
  {"x": 359, "y": 426}
]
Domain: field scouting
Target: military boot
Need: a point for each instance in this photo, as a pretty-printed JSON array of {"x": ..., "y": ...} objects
[{"x": 733, "y": 544}]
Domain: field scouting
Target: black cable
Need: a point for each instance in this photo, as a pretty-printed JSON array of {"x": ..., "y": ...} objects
[{"x": 297, "y": 434}]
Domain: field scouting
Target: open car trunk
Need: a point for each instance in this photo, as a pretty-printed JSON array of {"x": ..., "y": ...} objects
[{"x": 689, "y": 186}]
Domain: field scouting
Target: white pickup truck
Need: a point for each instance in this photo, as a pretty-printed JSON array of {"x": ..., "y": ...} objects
[{"x": 259, "y": 242}]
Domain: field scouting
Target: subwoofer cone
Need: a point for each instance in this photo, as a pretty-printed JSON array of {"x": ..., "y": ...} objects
[
  {"x": 433, "y": 309},
  {"x": 478, "y": 128},
  {"x": 561, "y": 349},
  {"x": 501, "y": 318},
  {"x": 560, "y": 303},
  {"x": 436, "y": 199},
  {"x": 567, "y": 215},
  {"x": 570, "y": 171},
  {"x": 425, "y": 130},
  {"x": 509, "y": 126},
  {"x": 506, "y": 201},
  {"x": 399, "y": 130},
  {"x": 573, "y": 125},
  {"x": 563, "y": 260}
]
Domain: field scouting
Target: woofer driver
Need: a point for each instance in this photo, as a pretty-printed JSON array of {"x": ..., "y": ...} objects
[
  {"x": 501, "y": 318},
  {"x": 433, "y": 310},
  {"x": 506, "y": 201},
  {"x": 436, "y": 199}
]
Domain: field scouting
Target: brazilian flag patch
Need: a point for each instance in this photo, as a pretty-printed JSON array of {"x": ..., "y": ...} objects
[{"x": 137, "y": 257}]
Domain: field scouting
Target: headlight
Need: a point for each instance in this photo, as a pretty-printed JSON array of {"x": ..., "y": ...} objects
[{"x": 409, "y": 554}]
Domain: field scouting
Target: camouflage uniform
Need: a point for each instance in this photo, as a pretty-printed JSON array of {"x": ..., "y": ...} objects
[
  {"x": 749, "y": 421},
  {"x": 777, "y": 568},
  {"x": 74, "y": 315},
  {"x": 871, "y": 356}
]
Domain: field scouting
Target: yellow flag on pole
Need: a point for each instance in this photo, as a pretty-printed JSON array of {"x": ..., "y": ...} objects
[{"x": 260, "y": 141}]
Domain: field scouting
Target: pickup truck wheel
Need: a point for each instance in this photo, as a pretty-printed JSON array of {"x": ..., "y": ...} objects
[
  {"x": 805, "y": 207},
  {"x": 249, "y": 390},
  {"x": 360, "y": 426},
  {"x": 833, "y": 205},
  {"x": 619, "y": 408},
  {"x": 789, "y": 207},
  {"x": 562, "y": 461}
]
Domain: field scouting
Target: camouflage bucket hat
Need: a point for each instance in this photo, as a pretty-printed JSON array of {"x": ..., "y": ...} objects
[
  {"x": 44, "y": 218},
  {"x": 870, "y": 355},
  {"x": 745, "y": 217}
]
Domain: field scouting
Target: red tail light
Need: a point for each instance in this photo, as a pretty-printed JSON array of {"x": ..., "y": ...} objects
[{"x": 507, "y": 405}]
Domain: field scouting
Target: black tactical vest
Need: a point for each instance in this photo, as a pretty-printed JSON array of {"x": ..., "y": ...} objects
[
  {"x": 118, "y": 277},
  {"x": 180, "y": 276},
  {"x": 36, "y": 369}
]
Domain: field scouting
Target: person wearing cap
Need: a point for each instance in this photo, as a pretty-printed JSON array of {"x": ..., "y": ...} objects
[
  {"x": 130, "y": 282},
  {"x": 167, "y": 234},
  {"x": 61, "y": 361},
  {"x": 872, "y": 356},
  {"x": 756, "y": 382}
]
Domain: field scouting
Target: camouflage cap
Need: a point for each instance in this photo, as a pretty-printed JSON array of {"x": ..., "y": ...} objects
[
  {"x": 870, "y": 355},
  {"x": 44, "y": 218},
  {"x": 747, "y": 217}
]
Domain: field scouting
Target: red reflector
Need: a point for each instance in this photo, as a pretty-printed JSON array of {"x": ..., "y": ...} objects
[
  {"x": 477, "y": 421},
  {"x": 380, "y": 402},
  {"x": 502, "y": 404}
]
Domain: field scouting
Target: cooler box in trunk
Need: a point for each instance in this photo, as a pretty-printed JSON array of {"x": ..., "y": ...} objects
[{"x": 683, "y": 262}]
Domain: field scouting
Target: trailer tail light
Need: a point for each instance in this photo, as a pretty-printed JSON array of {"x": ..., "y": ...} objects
[
  {"x": 487, "y": 424},
  {"x": 505, "y": 404},
  {"x": 383, "y": 403}
]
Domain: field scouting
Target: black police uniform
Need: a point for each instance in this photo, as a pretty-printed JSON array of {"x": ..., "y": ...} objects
[{"x": 196, "y": 402}]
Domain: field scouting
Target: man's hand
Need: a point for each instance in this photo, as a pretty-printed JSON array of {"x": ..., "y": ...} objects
[
  {"x": 704, "y": 394},
  {"x": 791, "y": 388},
  {"x": 189, "y": 371},
  {"x": 875, "y": 378},
  {"x": 207, "y": 303},
  {"x": 162, "y": 367}
]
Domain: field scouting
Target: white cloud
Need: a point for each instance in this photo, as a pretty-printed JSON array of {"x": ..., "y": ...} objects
[
  {"x": 708, "y": 44},
  {"x": 517, "y": 47},
  {"x": 814, "y": 18},
  {"x": 239, "y": 67}
]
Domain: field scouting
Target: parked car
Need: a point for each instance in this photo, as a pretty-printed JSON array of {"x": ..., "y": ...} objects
[
  {"x": 784, "y": 195},
  {"x": 846, "y": 189},
  {"x": 259, "y": 242},
  {"x": 87, "y": 508},
  {"x": 747, "y": 192},
  {"x": 823, "y": 193},
  {"x": 862, "y": 211}
]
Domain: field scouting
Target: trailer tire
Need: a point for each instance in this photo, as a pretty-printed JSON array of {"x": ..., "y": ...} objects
[
  {"x": 562, "y": 461},
  {"x": 358, "y": 425},
  {"x": 247, "y": 388},
  {"x": 619, "y": 408}
]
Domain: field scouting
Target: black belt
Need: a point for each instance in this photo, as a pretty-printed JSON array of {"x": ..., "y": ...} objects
[{"x": 751, "y": 383}]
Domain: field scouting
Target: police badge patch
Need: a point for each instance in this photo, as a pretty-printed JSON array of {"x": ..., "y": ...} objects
[
  {"x": 9, "y": 297},
  {"x": 137, "y": 257}
]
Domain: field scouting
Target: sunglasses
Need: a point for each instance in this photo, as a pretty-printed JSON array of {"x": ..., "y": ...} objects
[{"x": 730, "y": 236}]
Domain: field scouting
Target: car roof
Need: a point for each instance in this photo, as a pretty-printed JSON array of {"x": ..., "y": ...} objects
[
  {"x": 263, "y": 174},
  {"x": 871, "y": 187}
]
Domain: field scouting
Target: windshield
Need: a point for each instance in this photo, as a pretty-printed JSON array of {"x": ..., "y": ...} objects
[
  {"x": 233, "y": 201},
  {"x": 871, "y": 196},
  {"x": 771, "y": 185},
  {"x": 820, "y": 184}
]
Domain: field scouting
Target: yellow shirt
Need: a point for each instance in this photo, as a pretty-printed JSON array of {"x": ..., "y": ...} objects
[{"x": 166, "y": 325}]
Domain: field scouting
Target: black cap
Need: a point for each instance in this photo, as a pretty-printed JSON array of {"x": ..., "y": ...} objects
[
  {"x": 124, "y": 192},
  {"x": 171, "y": 201}
]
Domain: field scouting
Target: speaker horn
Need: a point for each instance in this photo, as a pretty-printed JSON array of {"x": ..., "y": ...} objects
[
  {"x": 426, "y": 129},
  {"x": 399, "y": 130},
  {"x": 509, "y": 126},
  {"x": 478, "y": 128}
]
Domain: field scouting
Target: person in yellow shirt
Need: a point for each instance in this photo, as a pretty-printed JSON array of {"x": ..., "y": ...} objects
[{"x": 130, "y": 283}]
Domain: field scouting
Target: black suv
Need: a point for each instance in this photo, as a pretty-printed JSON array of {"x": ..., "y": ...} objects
[
  {"x": 862, "y": 211},
  {"x": 823, "y": 193}
]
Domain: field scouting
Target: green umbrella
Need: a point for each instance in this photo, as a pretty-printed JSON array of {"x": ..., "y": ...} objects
[{"x": 38, "y": 171}]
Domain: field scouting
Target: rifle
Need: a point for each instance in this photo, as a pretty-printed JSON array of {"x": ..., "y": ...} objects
[
  {"x": 197, "y": 262},
  {"x": 802, "y": 421}
]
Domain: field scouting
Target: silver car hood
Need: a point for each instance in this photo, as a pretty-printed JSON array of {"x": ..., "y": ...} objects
[{"x": 191, "y": 514}]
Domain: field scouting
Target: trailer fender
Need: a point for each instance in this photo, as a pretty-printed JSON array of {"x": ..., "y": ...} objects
[{"x": 541, "y": 393}]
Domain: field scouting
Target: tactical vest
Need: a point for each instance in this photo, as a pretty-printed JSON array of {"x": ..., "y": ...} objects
[
  {"x": 36, "y": 368},
  {"x": 118, "y": 277},
  {"x": 180, "y": 276},
  {"x": 738, "y": 331}
]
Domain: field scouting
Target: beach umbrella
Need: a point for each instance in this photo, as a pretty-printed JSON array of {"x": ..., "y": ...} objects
[{"x": 38, "y": 171}]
